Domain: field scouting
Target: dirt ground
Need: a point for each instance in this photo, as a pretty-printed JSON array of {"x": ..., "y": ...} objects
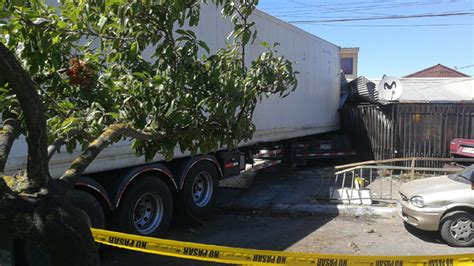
[{"x": 309, "y": 234}]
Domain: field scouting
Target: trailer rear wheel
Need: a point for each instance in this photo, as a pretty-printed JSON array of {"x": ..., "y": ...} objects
[
  {"x": 147, "y": 208},
  {"x": 199, "y": 190},
  {"x": 89, "y": 206}
]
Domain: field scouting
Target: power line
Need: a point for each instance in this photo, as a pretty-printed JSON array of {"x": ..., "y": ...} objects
[
  {"x": 397, "y": 26},
  {"x": 463, "y": 67},
  {"x": 306, "y": 8},
  {"x": 364, "y": 5},
  {"x": 339, "y": 9},
  {"x": 299, "y": 6},
  {"x": 443, "y": 84},
  {"x": 317, "y": 16},
  {"x": 447, "y": 14}
]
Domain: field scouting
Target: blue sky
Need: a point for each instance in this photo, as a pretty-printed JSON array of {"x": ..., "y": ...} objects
[{"x": 393, "y": 47}]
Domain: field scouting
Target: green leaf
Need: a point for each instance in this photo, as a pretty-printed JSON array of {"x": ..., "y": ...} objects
[
  {"x": 188, "y": 33},
  {"x": 61, "y": 24},
  {"x": 4, "y": 14},
  {"x": 84, "y": 145},
  {"x": 246, "y": 36},
  {"x": 39, "y": 21},
  {"x": 171, "y": 109},
  {"x": 204, "y": 46},
  {"x": 55, "y": 39},
  {"x": 134, "y": 48},
  {"x": 18, "y": 2},
  {"x": 70, "y": 146},
  {"x": 110, "y": 3},
  {"x": 85, "y": 57},
  {"x": 139, "y": 74},
  {"x": 114, "y": 115},
  {"x": 69, "y": 122},
  {"x": 101, "y": 23}
]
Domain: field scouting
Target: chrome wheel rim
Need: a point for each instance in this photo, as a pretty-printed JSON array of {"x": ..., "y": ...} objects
[
  {"x": 462, "y": 230},
  {"x": 202, "y": 189},
  {"x": 147, "y": 213}
]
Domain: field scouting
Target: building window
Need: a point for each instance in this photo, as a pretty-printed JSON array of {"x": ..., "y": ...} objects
[{"x": 347, "y": 65}]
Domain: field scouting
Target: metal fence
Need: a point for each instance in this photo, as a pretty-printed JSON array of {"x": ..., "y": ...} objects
[
  {"x": 383, "y": 178},
  {"x": 408, "y": 129}
]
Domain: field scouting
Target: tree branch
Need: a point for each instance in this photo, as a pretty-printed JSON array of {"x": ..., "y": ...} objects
[
  {"x": 55, "y": 147},
  {"x": 62, "y": 140},
  {"x": 9, "y": 132},
  {"x": 13, "y": 74},
  {"x": 80, "y": 164}
]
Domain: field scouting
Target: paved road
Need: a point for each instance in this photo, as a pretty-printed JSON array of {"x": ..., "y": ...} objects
[
  {"x": 330, "y": 235},
  {"x": 246, "y": 220}
]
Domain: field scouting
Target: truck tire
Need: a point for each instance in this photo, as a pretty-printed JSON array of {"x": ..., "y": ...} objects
[
  {"x": 27, "y": 253},
  {"x": 146, "y": 208},
  {"x": 88, "y": 205},
  {"x": 457, "y": 229},
  {"x": 198, "y": 194}
]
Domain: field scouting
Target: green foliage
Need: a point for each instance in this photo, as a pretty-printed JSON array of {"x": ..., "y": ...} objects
[{"x": 87, "y": 57}]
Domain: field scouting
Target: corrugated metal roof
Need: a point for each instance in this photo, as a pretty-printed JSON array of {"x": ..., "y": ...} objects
[
  {"x": 436, "y": 89},
  {"x": 365, "y": 89}
]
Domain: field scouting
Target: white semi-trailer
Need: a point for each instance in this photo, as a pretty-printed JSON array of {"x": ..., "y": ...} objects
[{"x": 139, "y": 196}]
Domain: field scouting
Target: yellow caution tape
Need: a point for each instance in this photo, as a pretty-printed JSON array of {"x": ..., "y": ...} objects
[{"x": 245, "y": 256}]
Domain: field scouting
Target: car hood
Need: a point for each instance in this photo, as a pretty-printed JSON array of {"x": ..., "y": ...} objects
[{"x": 431, "y": 185}]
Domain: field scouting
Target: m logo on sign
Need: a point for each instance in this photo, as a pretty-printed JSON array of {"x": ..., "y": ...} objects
[{"x": 390, "y": 89}]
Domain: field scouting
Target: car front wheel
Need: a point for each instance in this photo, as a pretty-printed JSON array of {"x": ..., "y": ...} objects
[{"x": 457, "y": 229}]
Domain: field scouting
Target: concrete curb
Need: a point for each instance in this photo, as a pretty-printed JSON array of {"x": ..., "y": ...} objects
[{"x": 350, "y": 210}]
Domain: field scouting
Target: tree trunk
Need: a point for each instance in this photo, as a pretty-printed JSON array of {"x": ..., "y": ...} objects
[
  {"x": 49, "y": 221},
  {"x": 32, "y": 205}
]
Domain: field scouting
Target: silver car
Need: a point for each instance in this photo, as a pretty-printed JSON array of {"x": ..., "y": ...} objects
[{"x": 444, "y": 204}]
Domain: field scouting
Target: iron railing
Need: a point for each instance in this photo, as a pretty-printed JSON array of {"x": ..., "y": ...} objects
[{"x": 383, "y": 177}]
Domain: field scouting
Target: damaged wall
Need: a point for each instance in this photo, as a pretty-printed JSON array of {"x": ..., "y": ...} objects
[{"x": 407, "y": 129}]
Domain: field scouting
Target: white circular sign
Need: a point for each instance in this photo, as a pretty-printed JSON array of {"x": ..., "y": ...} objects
[{"x": 390, "y": 89}]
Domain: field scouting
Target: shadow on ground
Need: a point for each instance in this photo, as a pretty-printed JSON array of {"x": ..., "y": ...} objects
[
  {"x": 245, "y": 231},
  {"x": 427, "y": 236},
  {"x": 237, "y": 221}
]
